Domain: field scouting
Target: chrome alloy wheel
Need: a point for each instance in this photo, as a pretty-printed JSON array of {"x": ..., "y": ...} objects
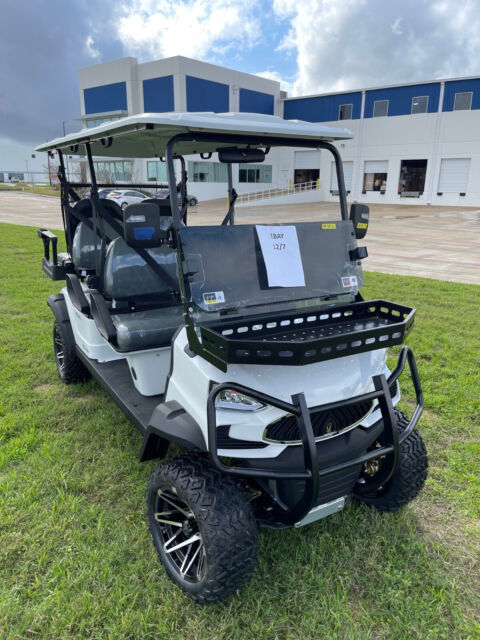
[{"x": 182, "y": 542}]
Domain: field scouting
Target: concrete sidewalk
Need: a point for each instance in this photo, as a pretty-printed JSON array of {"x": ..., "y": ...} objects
[{"x": 433, "y": 242}]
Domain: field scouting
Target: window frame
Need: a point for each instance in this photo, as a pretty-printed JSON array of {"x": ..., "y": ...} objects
[
  {"x": 462, "y": 93},
  {"x": 258, "y": 169},
  {"x": 347, "y": 104},
  {"x": 375, "y": 102},
  {"x": 412, "y": 112}
]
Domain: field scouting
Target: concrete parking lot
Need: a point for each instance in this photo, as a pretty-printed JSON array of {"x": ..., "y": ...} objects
[{"x": 433, "y": 242}]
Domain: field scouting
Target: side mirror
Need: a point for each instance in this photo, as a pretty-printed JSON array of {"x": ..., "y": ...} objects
[
  {"x": 234, "y": 154},
  {"x": 141, "y": 226},
  {"x": 359, "y": 215}
]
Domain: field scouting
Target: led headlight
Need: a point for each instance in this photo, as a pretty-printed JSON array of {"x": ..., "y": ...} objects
[{"x": 229, "y": 399}]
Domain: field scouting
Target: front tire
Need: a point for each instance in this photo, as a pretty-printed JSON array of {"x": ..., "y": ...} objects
[
  {"x": 70, "y": 369},
  {"x": 202, "y": 526},
  {"x": 407, "y": 480}
]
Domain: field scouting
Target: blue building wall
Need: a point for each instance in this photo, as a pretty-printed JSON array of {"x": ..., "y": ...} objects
[
  {"x": 205, "y": 95},
  {"x": 400, "y": 98},
  {"x": 108, "y": 97},
  {"x": 322, "y": 108},
  {"x": 256, "y": 102},
  {"x": 459, "y": 86},
  {"x": 158, "y": 94}
]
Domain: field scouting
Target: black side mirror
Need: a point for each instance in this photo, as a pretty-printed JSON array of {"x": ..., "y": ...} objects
[
  {"x": 359, "y": 215},
  {"x": 141, "y": 226}
]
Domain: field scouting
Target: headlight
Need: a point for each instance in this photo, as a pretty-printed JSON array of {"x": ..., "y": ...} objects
[{"x": 229, "y": 399}]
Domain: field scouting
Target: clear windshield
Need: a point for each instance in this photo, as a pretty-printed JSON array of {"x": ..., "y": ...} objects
[{"x": 231, "y": 270}]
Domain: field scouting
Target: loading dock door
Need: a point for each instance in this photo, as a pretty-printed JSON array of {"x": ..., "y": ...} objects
[
  {"x": 307, "y": 166},
  {"x": 412, "y": 178},
  {"x": 347, "y": 175},
  {"x": 454, "y": 175}
]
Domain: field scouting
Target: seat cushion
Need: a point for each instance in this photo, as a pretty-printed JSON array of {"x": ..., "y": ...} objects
[{"x": 146, "y": 329}]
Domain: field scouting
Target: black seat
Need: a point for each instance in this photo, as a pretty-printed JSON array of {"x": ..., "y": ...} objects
[{"x": 84, "y": 247}]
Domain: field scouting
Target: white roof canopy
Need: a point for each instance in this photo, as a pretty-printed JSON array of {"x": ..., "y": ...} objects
[{"x": 146, "y": 135}]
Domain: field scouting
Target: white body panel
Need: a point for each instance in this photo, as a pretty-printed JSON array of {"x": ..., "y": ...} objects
[{"x": 321, "y": 382}]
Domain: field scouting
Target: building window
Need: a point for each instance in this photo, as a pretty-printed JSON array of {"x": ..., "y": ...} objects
[
  {"x": 345, "y": 112},
  {"x": 380, "y": 108},
  {"x": 420, "y": 104},
  {"x": 207, "y": 172},
  {"x": 156, "y": 171},
  {"x": 98, "y": 121},
  {"x": 118, "y": 171},
  {"x": 255, "y": 173},
  {"x": 463, "y": 101}
]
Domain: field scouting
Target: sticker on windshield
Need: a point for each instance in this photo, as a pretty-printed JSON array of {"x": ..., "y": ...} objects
[
  {"x": 215, "y": 297},
  {"x": 351, "y": 281}
]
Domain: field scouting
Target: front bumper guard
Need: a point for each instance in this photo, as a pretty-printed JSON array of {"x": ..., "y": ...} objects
[{"x": 312, "y": 473}]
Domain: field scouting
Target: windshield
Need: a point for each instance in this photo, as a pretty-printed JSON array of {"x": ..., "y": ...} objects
[{"x": 252, "y": 269}]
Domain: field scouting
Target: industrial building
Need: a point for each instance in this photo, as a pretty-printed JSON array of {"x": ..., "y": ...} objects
[{"x": 413, "y": 143}]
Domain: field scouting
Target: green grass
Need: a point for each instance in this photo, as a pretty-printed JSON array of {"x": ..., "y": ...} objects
[
  {"x": 40, "y": 189},
  {"x": 76, "y": 559}
]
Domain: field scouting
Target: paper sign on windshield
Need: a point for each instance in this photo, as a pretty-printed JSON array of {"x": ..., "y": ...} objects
[{"x": 281, "y": 254}]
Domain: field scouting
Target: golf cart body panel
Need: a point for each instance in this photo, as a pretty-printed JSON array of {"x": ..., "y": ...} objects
[{"x": 250, "y": 343}]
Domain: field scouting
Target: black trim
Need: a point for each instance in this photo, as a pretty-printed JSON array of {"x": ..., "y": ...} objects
[
  {"x": 102, "y": 317},
  {"x": 57, "y": 304},
  {"x": 170, "y": 421},
  {"x": 76, "y": 294}
]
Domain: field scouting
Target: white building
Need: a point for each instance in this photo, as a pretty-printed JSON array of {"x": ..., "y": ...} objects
[{"x": 414, "y": 143}]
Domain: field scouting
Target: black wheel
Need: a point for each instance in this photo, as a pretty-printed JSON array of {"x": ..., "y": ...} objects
[
  {"x": 69, "y": 367},
  {"x": 408, "y": 479},
  {"x": 202, "y": 526},
  {"x": 193, "y": 202}
]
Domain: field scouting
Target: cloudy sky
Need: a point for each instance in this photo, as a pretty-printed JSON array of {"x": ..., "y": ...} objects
[{"x": 309, "y": 45}]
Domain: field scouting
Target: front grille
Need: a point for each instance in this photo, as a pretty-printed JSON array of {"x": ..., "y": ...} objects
[
  {"x": 224, "y": 441},
  {"x": 325, "y": 424}
]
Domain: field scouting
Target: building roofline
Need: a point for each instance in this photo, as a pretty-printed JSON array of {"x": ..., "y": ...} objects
[{"x": 383, "y": 86}]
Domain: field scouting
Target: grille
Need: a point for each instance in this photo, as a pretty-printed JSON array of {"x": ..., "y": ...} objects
[
  {"x": 394, "y": 389},
  {"x": 325, "y": 424},
  {"x": 224, "y": 441}
]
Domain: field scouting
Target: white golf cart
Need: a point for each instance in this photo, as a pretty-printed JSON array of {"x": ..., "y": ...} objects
[{"x": 248, "y": 345}]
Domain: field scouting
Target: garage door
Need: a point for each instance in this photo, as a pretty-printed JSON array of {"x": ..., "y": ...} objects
[
  {"x": 454, "y": 175},
  {"x": 307, "y": 159},
  {"x": 347, "y": 174},
  {"x": 376, "y": 166}
]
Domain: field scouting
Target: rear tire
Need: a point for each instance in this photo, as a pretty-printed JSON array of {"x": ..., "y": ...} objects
[
  {"x": 70, "y": 369},
  {"x": 187, "y": 499},
  {"x": 408, "y": 479}
]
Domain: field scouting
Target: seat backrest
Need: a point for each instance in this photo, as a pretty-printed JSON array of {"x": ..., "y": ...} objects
[
  {"x": 128, "y": 277},
  {"x": 84, "y": 250}
]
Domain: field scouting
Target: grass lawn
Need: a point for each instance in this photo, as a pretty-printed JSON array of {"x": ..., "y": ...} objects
[
  {"x": 76, "y": 559},
  {"x": 41, "y": 189}
]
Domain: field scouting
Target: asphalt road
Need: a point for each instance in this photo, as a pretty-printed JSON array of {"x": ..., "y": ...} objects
[{"x": 433, "y": 242}]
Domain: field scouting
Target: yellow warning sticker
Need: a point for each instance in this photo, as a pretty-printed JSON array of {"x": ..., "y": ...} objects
[
  {"x": 362, "y": 225},
  {"x": 329, "y": 225}
]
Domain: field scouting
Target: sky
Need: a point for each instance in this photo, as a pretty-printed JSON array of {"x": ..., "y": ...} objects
[{"x": 310, "y": 46}]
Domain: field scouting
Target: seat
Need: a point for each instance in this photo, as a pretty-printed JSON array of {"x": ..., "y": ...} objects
[
  {"x": 147, "y": 329},
  {"x": 84, "y": 248},
  {"x": 128, "y": 278}
]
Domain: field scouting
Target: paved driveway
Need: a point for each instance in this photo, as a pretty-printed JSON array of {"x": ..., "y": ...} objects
[{"x": 434, "y": 242}]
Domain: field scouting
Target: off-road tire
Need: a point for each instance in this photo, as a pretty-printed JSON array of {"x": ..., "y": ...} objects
[
  {"x": 70, "y": 369},
  {"x": 409, "y": 477},
  {"x": 225, "y": 523}
]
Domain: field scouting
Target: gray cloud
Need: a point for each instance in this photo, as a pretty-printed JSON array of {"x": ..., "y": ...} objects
[{"x": 42, "y": 46}]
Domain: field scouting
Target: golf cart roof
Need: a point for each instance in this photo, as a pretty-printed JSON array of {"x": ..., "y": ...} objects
[{"x": 146, "y": 135}]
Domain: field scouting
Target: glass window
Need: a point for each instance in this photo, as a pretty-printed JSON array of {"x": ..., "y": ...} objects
[
  {"x": 345, "y": 112},
  {"x": 380, "y": 108},
  {"x": 115, "y": 171},
  {"x": 157, "y": 171},
  {"x": 463, "y": 101},
  {"x": 255, "y": 173},
  {"x": 207, "y": 172},
  {"x": 420, "y": 104}
]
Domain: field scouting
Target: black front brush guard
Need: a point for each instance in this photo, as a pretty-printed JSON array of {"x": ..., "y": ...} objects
[{"x": 312, "y": 473}]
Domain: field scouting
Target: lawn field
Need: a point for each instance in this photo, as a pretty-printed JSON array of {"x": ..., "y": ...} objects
[{"x": 76, "y": 560}]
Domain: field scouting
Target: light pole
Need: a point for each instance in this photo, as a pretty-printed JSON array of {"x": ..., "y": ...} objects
[{"x": 63, "y": 125}]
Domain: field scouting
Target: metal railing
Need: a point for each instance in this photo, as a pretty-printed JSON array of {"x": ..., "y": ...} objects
[{"x": 278, "y": 192}]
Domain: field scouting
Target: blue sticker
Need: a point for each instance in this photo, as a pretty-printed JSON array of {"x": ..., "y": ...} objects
[{"x": 143, "y": 233}]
